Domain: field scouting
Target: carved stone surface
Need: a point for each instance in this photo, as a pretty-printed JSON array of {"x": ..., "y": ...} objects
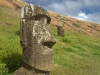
[
  {"x": 36, "y": 41},
  {"x": 60, "y": 30}
]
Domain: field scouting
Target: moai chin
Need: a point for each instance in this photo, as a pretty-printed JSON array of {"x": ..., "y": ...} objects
[{"x": 36, "y": 41}]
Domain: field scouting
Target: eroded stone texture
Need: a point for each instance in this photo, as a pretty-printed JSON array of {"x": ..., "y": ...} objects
[
  {"x": 60, "y": 30},
  {"x": 36, "y": 41}
]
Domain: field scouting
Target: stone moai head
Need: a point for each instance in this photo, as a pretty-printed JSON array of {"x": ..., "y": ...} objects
[
  {"x": 36, "y": 38},
  {"x": 60, "y": 30}
]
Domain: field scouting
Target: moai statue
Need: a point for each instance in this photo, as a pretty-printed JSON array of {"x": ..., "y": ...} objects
[
  {"x": 60, "y": 30},
  {"x": 36, "y": 41}
]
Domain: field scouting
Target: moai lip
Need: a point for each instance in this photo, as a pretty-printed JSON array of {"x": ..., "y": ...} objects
[{"x": 36, "y": 41}]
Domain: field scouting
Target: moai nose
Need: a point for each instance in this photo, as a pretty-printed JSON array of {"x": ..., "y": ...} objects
[{"x": 49, "y": 42}]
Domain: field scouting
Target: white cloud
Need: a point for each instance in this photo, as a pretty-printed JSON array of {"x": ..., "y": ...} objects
[
  {"x": 82, "y": 16},
  {"x": 94, "y": 17},
  {"x": 73, "y": 8},
  {"x": 57, "y": 7},
  {"x": 91, "y": 3}
]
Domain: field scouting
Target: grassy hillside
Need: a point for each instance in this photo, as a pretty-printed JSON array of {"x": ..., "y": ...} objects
[
  {"x": 10, "y": 50},
  {"x": 74, "y": 54}
]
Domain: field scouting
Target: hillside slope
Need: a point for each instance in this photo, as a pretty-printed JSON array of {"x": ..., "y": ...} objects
[
  {"x": 74, "y": 54},
  {"x": 14, "y": 4},
  {"x": 57, "y": 19},
  {"x": 74, "y": 24}
]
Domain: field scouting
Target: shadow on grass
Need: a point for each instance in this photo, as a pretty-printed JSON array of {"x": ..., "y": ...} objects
[
  {"x": 17, "y": 32},
  {"x": 12, "y": 61}
]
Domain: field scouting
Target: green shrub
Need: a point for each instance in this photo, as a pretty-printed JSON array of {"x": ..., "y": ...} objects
[{"x": 3, "y": 69}]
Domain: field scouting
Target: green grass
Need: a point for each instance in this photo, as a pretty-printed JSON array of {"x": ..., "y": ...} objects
[
  {"x": 74, "y": 54},
  {"x": 10, "y": 49}
]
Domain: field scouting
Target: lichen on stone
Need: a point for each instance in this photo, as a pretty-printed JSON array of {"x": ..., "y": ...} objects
[{"x": 22, "y": 12}]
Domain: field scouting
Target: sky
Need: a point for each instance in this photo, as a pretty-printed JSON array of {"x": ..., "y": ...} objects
[{"x": 88, "y": 10}]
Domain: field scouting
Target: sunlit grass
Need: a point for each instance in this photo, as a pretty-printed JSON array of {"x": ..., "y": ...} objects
[{"x": 74, "y": 54}]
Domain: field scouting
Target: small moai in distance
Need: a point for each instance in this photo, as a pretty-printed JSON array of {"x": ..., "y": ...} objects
[
  {"x": 60, "y": 30},
  {"x": 36, "y": 41}
]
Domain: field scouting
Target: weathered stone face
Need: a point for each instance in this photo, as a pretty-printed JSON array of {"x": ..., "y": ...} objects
[
  {"x": 36, "y": 39},
  {"x": 60, "y": 31}
]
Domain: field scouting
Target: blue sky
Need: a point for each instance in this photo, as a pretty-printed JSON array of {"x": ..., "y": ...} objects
[{"x": 81, "y": 9}]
